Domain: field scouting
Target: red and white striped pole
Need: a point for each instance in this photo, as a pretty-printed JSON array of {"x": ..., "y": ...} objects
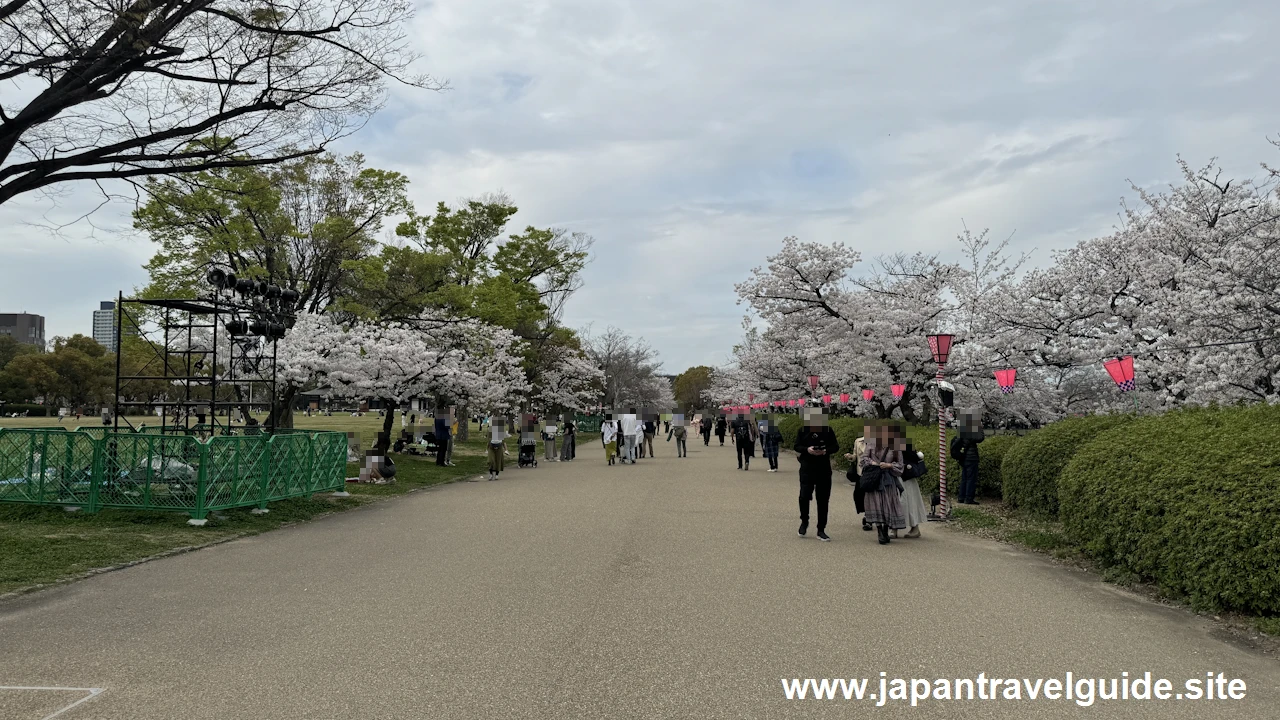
[{"x": 942, "y": 454}]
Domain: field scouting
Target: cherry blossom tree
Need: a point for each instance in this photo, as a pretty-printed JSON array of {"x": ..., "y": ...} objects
[
  {"x": 462, "y": 361},
  {"x": 1187, "y": 284},
  {"x": 573, "y": 381}
]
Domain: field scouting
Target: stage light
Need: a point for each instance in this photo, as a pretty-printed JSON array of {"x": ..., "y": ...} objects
[
  {"x": 289, "y": 297},
  {"x": 257, "y": 327},
  {"x": 245, "y": 286},
  {"x": 260, "y": 288},
  {"x": 238, "y": 327},
  {"x": 217, "y": 277},
  {"x": 273, "y": 291}
]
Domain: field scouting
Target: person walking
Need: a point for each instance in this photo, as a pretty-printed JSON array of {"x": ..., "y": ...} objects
[
  {"x": 881, "y": 482},
  {"x": 705, "y": 426},
  {"x": 676, "y": 429},
  {"x": 721, "y": 425},
  {"x": 497, "y": 445},
  {"x": 442, "y": 436},
  {"x": 650, "y": 430},
  {"x": 744, "y": 440},
  {"x": 628, "y": 427},
  {"x": 609, "y": 437},
  {"x": 815, "y": 444},
  {"x": 770, "y": 443}
]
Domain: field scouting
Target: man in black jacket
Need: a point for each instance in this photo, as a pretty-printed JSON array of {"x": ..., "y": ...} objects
[
  {"x": 815, "y": 444},
  {"x": 742, "y": 440}
]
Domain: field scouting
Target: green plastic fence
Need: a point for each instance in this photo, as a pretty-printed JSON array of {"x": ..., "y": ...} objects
[{"x": 94, "y": 469}]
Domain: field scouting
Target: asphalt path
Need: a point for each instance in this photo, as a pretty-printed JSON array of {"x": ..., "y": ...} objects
[{"x": 675, "y": 588}]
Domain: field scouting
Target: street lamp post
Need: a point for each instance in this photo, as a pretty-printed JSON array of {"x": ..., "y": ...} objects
[{"x": 940, "y": 346}]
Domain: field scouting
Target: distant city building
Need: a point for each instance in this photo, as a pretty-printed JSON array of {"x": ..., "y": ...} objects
[
  {"x": 26, "y": 328},
  {"x": 104, "y": 325}
]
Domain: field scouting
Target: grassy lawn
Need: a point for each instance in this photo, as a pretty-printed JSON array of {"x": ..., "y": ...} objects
[
  {"x": 992, "y": 520},
  {"x": 46, "y": 544}
]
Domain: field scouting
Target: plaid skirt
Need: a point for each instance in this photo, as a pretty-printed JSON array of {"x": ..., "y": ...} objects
[{"x": 885, "y": 506}]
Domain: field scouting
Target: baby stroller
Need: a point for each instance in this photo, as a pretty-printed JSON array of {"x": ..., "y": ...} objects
[{"x": 528, "y": 450}]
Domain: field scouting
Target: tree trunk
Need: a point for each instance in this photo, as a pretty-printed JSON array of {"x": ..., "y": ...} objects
[
  {"x": 284, "y": 410},
  {"x": 383, "y": 443},
  {"x": 908, "y": 413},
  {"x": 464, "y": 424}
]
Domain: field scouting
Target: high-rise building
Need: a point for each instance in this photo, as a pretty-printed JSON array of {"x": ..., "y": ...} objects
[
  {"x": 104, "y": 325},
  {"x": 23, "y": 327}
]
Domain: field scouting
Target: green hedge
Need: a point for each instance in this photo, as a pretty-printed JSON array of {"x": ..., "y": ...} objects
[
  {"x": 991, "y": 455},
  {"x": 1029, "y": 473},
  {"x": 1189, "y": 500},
  {"x": 789, "y": 426}
]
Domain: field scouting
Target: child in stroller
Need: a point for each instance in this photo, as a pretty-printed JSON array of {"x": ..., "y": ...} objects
[{"x": 528, "y": 443}]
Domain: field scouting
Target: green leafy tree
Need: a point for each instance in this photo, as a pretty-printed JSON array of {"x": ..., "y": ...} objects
[
  {"x": 691, "y": 387},
  {"x": 10, "y": 349},
  {"x": 454, "y": 261},
  {"x": 32, "y": 376},
  {"x": 303, "y": 225}
]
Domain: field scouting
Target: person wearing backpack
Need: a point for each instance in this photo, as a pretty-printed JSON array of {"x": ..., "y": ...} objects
[
  {"x": 705, "y": 426},
  {"x": 676, "y": 429},
  {"x": 721, "y": 425}
]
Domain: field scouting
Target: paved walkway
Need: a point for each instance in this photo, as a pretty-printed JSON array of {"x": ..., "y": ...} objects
[{"x": 671, "y": 589}]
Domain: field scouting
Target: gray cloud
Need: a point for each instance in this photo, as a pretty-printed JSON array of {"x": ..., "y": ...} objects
[{"x": 689, "y": 138}]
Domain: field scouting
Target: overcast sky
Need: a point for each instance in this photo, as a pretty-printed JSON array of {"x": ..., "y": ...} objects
[{"x": 690, "y": 137}]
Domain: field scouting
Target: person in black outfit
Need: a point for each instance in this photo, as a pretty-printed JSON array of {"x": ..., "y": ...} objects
[
  {"x": 704, "y": 425},
  {"x": 442, "y": 436},
  {"x": 743, "y": 440},
  {"x": 815, "y": 444},
  {"x": 965, "y": 449},
  {"x": 721, "y": 426}
]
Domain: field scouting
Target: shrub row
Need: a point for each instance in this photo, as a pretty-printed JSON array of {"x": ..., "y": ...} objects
[
  {"x": 31, "y": 409},
  {"x": 991, "y": 454},
  {"x": 1189, "y": 499},
  {"x": 1031, "y": 466}
]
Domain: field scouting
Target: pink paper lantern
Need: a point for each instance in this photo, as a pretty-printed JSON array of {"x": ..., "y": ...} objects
[
  {"x": 826, "y": 399},
  {"x": 844, "y": 397},
  {"x": 1121, "y": 370},
  {"x": 898, "y": 390},
  {"x": 868, "y": 394},
  {"x": 1006, "y": 379}
]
